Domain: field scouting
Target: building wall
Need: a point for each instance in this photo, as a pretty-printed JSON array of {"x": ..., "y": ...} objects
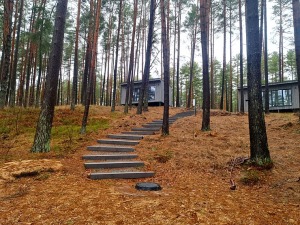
[
  {"x": 293, "y": 86},
  {"x": 159, "y": 92}
]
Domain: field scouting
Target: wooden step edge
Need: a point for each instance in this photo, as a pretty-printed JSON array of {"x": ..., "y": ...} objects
[
  {"x": 120, "y": 175},
  {"x": 113, "y": 164},
  {"x": 109, "y": 157}
]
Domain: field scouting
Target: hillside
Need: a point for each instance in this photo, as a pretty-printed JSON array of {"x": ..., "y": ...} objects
[{"x": 194, "y": 169}]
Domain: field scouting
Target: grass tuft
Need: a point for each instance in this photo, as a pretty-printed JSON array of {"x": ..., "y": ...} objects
[{"x": 250, "y": 178}]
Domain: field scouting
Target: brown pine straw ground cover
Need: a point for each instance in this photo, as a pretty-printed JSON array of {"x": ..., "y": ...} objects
[{"x": 194, "y": 169}]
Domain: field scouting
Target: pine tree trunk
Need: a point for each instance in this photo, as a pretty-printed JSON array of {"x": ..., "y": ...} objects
[
  {"x": 107, "y": 102},
  {"x": 224, "y": 58},
  {"x": 212, "y": 79},
  {"x": 75, "y": 72},
  {"x": 166, "y": 63},
  {"x": 146, "y": 73},
  {"x": 44, "y": 125},
  {"x": 280, "y": 56},
  {"x": 230, "y": 61},
  {"x": 174, "y": 57},
  {"x": 242, "y": 103},
  {"x": 204, "y": 27},
  {"x": 7, "y": 102},
  {"x": 113, "y": 107},
  {"x": 259, "y": 151},
  {"x": 7, "y": 29},
  {"x": 130, "y": 71},
  {"x": 296, "y": 19},
  {"x": 12, "y": 97},
  {"x": 193, "y": 48},
  {"x": 266, "y": 58},
  {"x": 91, "y": 66},
  {"x": 178, "y": 55}
]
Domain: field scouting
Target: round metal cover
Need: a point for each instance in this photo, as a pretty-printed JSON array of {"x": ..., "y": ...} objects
[{"x": 146, "y": 186}]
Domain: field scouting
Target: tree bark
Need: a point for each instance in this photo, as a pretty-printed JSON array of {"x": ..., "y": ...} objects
[
  {"x": 266, "y": 58},
  {"x": 75, "y": 72},
  {"x": 92, "y": 68},
  {"x": 296, "y": 19},
  {"x": 7, "y": 29},
  {"x": 130, "y": 71},
  {"x": 204, "y": 27},
  {"x": 230, "y": 60},
  {"x": 224, "y": 58},
  {"x": 259, "y": 151},
  {"x": 12, "y": 96},
  {"x": 193, "y": 49},
  {"x": 44, "y": 125},
  {"x": 178, "y": 55},
  {"x": 212, "y": 79},
  {"x": 166, "y": 62},
  {"x": 113, "y": 107},
  {"x": 242, "y": 103},
  {"x": 146, "y": 74}
]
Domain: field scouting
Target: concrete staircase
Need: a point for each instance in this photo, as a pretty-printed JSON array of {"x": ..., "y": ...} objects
[{"x": 113, "y": 158}]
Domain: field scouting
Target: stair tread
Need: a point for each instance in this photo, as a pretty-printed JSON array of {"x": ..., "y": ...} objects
[
  {"x": 110, "y": 156},
  {"x": 112, "y": 164},
  {"x": 121, "y": 175}
]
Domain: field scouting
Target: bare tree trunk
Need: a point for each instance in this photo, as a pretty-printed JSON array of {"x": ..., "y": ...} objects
[
  {"x": 130, "y": 72},
  {"x": 230, "y": 61},
  {"x": 212, "y": 79},
  {"x": 166, "y": 57},
  {"x": 12, "y": 97},
  {"x": 266, "y": 58},
  {"x": 259, "y": 151},
  {"x": 193, "y": 48},
  {"x": 7, "y": 29},
  {"x": 145, "y": 78},
  {"x": 204, "y": 27},
  {"x": 44, "y": 125},
  {"x": 75, "y": 72},
  {"x": 280, "y": 56},
  {"x": 174, "y": 57},
  {"x": 116, "y": 60},
  {"x": 178, "y": 55},
  {"x": 7, "y": 101},
  {"x": 92, "y": 67},
  {"x": 296, "y": 19},
  {"x": 224, "y": 58},
  {"x": 107, "y": 102},
  {"x": 242, "y": 103}
]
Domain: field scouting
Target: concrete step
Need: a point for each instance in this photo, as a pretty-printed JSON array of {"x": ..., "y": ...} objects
[
  {"x": 150, "y": 125},
  {"x": 114, "y": 164},
  {"x": 146, "y": 129},
  {"x": 120, "y": 175},
  {"x": 139, "y": 132},
  {"x": 125, "y": 136},
  {"x": 117, "y": 142},
  {"x": 160, "y": 121},
  {"x": 109, "y": 157},
  {"x": 109, "y": 148}
]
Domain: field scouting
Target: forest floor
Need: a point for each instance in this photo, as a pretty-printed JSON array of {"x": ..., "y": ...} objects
[{"x": 194, "y": 169}]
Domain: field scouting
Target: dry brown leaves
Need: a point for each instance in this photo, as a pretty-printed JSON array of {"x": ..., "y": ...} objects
[{"x": 192, "y": 168}]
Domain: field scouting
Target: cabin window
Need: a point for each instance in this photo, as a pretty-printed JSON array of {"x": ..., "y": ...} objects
[
  {"x": 151, "y": 93},
  {"x": 281, "y": 98},
  {"x": 136, "y": 94}
]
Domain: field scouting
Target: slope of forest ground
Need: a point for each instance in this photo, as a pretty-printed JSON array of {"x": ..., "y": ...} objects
[{"x": 194, "y": 169}]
